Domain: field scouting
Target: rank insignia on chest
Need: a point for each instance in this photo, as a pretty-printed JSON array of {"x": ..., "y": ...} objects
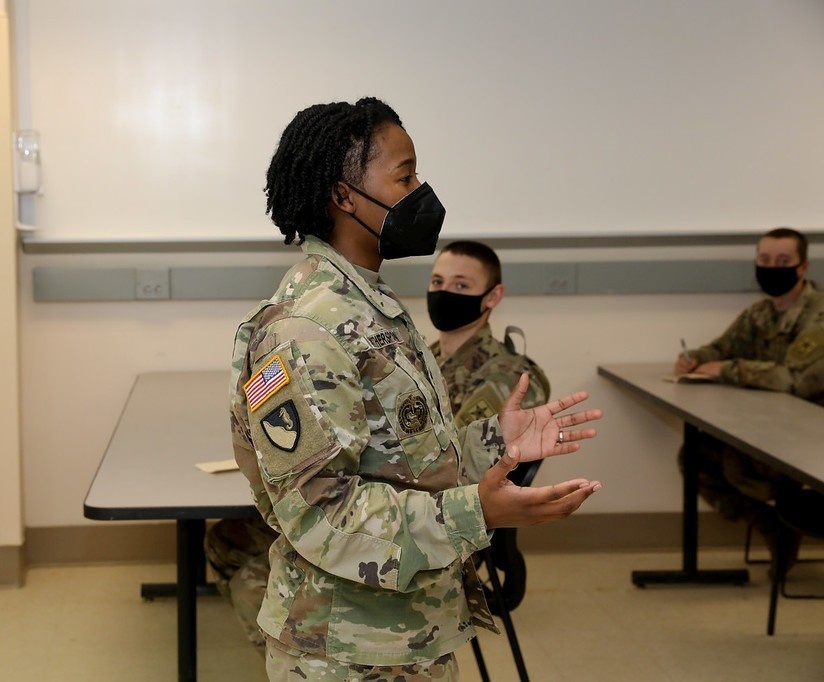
[
  {"x": 282, "y": 426},
  {"x": 265, "y": 383}
]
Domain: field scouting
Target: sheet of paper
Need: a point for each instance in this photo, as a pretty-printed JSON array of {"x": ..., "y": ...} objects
[
  {"x": 689, "y": 378},
  {"x": 217, "y": 467}
]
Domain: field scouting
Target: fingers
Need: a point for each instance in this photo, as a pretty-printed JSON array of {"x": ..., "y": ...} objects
[
  {"x": 561, "y": 490},
  {"x": 683, "y": 366},
  {"x": 568, "y": 444},
  {"x": 563, "y": 499},
  {"x": 514, "y": 399},
  {"x": 567, "y": 401},
  {"x": 567, "y": 420},
  {"x": 515, "y": 507},
  {"x": 504, "y": 465}
]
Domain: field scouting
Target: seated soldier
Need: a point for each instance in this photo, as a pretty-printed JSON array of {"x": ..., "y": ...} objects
[
  {"x": 776, "y": 344},
  {"x": 480, "y": 371}
]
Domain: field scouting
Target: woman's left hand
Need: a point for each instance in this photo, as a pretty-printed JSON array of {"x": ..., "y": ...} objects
[{"x": 543, "y": 431}]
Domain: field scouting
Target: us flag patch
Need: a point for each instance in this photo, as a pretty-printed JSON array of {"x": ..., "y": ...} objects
[{"x": 265, "y": 383}]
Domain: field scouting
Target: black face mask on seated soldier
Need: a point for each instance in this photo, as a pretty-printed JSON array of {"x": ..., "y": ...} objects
[
  {"x": 411, "y": 227},
  {"x": 449, "y": 310},
  {"x": 776, "y": 281}
]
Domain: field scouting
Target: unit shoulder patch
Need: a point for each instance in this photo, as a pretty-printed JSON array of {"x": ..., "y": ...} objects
[{"x": 282, "y": 426}]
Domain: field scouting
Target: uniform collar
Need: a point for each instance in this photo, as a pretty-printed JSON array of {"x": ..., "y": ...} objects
[
  {"x": 481, "y": 337},
  {"x": 790, "y": 316},
  {"x": 377, "y": 292}
]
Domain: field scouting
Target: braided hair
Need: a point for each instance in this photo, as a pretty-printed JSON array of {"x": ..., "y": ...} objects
[{"x": 324, "y": 144}]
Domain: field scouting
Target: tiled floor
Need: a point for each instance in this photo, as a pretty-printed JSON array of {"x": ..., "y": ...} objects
[{"x": 581, "y": 621}]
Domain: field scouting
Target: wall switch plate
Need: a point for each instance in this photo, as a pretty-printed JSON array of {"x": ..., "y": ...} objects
[{"x": 152, "y": 284}]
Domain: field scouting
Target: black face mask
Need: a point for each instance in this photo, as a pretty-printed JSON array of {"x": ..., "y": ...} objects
[
  {"x": 411, "y": 227},
  {"x": 449, "y": 311},
  {"x": 776, "y": 281}
]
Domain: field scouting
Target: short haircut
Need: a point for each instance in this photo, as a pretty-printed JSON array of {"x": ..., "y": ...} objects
[
  {"x": 323, "y": 145},
  {"x": 801, "y": 242},
  {"x": 481, "y": 253}
]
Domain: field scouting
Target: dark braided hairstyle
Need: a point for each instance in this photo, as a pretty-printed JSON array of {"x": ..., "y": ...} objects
[{"x": 323, "y": 144}]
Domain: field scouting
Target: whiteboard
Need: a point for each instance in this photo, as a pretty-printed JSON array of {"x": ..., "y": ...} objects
[{"x": 532, "y": 118}]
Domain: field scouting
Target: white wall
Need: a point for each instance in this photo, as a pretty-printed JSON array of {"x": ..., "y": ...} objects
[
  {"x": 80, "y": 360},
  {"x": 598, "y": 116}
]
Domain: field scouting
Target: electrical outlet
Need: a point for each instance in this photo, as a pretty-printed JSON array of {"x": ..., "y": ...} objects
[
  {"x": 559, "y": 278},
  {"x": 152, "y": 284},
  {"x": 559, "y": 285}
]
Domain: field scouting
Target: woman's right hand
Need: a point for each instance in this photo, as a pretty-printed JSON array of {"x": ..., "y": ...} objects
[{"x": 507, "y": 505}]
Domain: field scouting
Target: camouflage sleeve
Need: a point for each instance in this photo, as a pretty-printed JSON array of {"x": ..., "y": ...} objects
[
  {"x": 310, "y": 436},
  {"x": 488, "y": 396},
  {"x": 241, "y": 443},
  {"x": 482, "y": 445},
  {"x": 733, "y": 343},
  {"x": 801, "y": 373}
]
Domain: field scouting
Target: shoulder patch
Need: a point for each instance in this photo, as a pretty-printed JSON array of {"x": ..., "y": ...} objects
[
  {"x": 481, "y": 404},
  {"x": 807, "y": 348},
  {"x": 265, "y": 383},
  {"x": 282, "y": 426}
]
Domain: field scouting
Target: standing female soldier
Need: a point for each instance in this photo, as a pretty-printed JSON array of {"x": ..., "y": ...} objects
[{"x": 342, "y": 424}]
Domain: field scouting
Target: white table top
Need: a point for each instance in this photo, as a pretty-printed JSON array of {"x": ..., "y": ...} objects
[
  {"x": 171, "y": 421},
  {"x": 779, "y": 429}
]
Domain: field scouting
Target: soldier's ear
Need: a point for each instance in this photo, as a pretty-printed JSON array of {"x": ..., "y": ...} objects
[
  {"x": 341, "y": 197},
  {"x": 493, "y": 298}
]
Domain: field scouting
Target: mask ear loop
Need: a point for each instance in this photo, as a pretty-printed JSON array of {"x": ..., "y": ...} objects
[
  {"x": 483, "y": 296},
  {"x": 366, "y": 196},
  {"x": 374, "y": 201}
]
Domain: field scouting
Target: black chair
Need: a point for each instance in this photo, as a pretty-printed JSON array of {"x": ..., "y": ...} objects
[
  {"x": 503, "y": 556},
  {"x": 748, "y": 559},
  {"x": 799, "y": 511}
]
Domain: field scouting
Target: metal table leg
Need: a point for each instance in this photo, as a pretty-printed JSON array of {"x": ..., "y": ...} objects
[{"x": 689, "y": 572}]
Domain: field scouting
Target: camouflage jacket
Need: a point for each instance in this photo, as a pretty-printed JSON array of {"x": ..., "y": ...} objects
[
  {"x": 483, "y": 372},
  {"x": 341, "y": 423},
  {"x": 774, "y": 350}
]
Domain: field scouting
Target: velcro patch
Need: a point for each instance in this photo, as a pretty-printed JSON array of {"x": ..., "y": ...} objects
[
  {"x": 282, "y": 426},
  {"x": 383, "y": 338},
  {"x": 807, "y": 348},
  {"x": 482, "y": 404},
  {"x": 266, "y": 382}
]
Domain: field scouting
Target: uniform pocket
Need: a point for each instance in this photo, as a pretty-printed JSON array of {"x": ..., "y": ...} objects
[{"x": 408, "y": 409}]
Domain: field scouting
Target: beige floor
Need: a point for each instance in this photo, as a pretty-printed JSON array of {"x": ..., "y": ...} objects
[{"x": 581, "y": 620}]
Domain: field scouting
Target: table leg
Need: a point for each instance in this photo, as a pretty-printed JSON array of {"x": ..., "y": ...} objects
[
  {"x": 689, "y": 572},
  {"x": 151, "y": 591},
  {"x": 189, "y": 549}
]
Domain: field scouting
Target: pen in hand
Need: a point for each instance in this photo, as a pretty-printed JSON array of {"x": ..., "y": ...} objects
[{"x": 684, "y": 353}]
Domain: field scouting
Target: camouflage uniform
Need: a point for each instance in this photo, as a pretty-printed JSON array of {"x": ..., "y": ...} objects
[
  {"x": 479, "y": 376},
  {"x": 342, "y": 424},
  {"x": 765, "y": 349},
  {"x": 482, "y": 373},
  {"x": 237, "y": 551}
]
